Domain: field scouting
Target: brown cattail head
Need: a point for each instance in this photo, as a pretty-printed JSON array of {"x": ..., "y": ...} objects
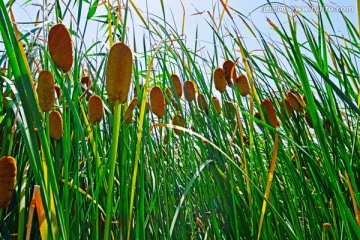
[
  {"x": 189, "y": 90},
  {"x": 295, "y": 101},
  {"x": 219, "y": 80},
  {"x": 95, "y": 108},
  {"x": 202, "y": 104},
  {"x": 60, "y": 47},
  {"x": 285, "y": 107},
  {"x": 177, "y": 120},
  {"x": 216, "y": 104},
  {"x": 55, "y": 125},
  {"x": 242, "y": 85},
  {"x": 87, "y": 82},
  {"x": 308, "y": 119},
  {"x": 118, "y": 72},
  {"x": 230, "y": 72},
  {"x": 157, "y": 101},
  {"x": 7, "y": 180},
  {"x": 58, "y": 92},
  {"x": 270, "y": 113},
  {"x": 177, "y": 85},
  {"x": 45, "y": 91}
]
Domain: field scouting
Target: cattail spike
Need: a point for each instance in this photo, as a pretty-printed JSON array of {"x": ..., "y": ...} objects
[
  {"x": 189, "y": 89},
  {"x": 270, "y": 113},
  {"x": 45, "y": 91},
  {"x": 219, "y": 80},
  {"x": 8, "y": 172},
  {"x": 118, "y": 72},
  {"x": 230, "y": 71},
  {"x": 55, "y": 125},
  {"x": 95, "y": 108},
  {"x": 242, "y": 85},
  {"x": 60, "y": 47},
  {"x": 216, "y": 104},
  {"x": 177, "y": 85},
  {"x": 157, "y": 101}
]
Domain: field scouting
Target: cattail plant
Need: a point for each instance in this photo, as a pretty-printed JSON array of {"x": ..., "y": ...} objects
[
  {"x": 157, "y": 101},
  {"x": 60, "y": 47},
  {"x": 230, "y": 71},
  {"x": 7, "y": 180},
  {"x": 45, "y": 91},
  {"x": 87, "y": 82},
  {"x": 189, "y": 90},
  {"x": 118, "y": 72},
  {"x": 219, "y": 80},
  {"x": 202, "y": 104},
  {"x": 177, "y": 85},
  {"x": 295, "y": 101},
  {"x": 216, "y": 104},
  {"x": 56, "y": 125},
  {"x": 269, "y": 113},
  {"x": 242, "y": 85},
  {"x": 177, "y": 120},
  {"x": 95, "y": 109}
]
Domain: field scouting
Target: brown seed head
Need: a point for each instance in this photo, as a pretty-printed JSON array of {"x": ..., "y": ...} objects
[
  {"x": 95, "y": 109},
  {"x": 157, "y": 101},
  {"x": 177, "y": 120},
  {"x": 219, "y": 80},
  {"x": 60, "y": 47},
  {"x": 285, "y": 107},
  {"x": 242, "y": 85},
  {"x": 270, "y": 113},
  {"x": 55, "y": 125},
  {"x": 216, "y": 104},
  {"x": 118, "y": 72},
  {"x": 295, "y": 101},
  {"x": 87, "y": 82},
  {"x": 45, "y": 91},
  {"x": 8, "y": 172},
  {"x": 189, "y": 90},
  {"x": 230, "y": 71},
  {"x": 202, "y": 102},
  {"x": 177, "y": 84}
]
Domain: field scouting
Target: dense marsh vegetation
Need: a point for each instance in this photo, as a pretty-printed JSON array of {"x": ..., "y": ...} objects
[{"x": 170, "y": 141}]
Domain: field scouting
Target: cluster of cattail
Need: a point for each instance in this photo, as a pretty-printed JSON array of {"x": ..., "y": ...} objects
[
  {"x": 227, "y": 76},
  {"x": 8, "y": 172}
]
